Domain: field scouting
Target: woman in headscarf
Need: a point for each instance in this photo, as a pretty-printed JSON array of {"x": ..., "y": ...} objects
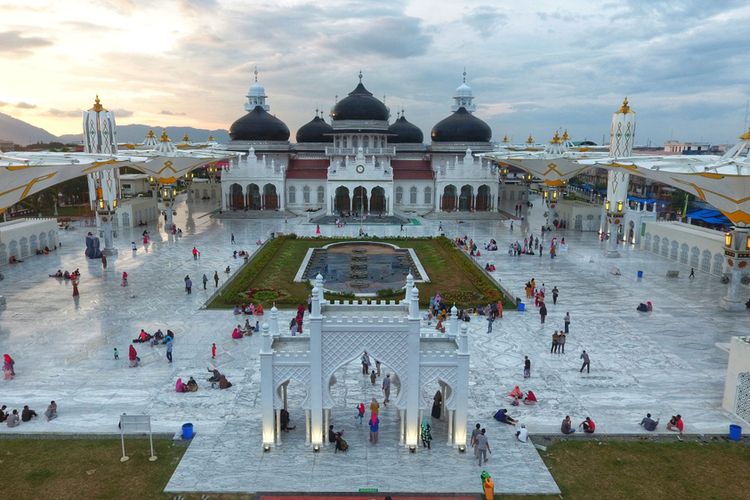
[
  {"x": 374, "y": 408},
  {"x": 179, "y": 386},
  {"x": 437, "y": 404},
  {"x": 133, "y": 356},
  {"x": 8, "y": 367},
  {"x": 426, "y": 433}
]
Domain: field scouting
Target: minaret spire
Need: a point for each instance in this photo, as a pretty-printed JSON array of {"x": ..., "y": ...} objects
[
  {"x": 464, "y": 75},
  {"x": 256, "y": 73},
  {"x": 360, "y": 76}
]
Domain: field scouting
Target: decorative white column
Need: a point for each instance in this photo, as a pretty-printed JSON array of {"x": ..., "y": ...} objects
[
  {"x": 266, "y": 386},
  {"x": 622, "y": 135},
  {"x": 278, "y": 427},
  {"x": 286, "y": 387},
  {"x": 450, "y": 427},
  {"x": 274, "y": 321},
  {"x": 401, "y": 428},
  {"x": 326, "y": 423},
  {"x": 413, "y": 361},
  {"x": 307, "y": 426},
  {"x": 316, "y": 365},
  {"x": 461, "y": 396},
  {"x": 454, "y": 321}
]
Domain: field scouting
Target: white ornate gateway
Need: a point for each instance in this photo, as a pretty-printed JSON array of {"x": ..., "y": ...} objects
[{"x": 339, "y": 333}]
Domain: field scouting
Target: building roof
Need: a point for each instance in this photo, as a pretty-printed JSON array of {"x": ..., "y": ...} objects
[
  {"x": 307, "y": 169},
  {"x": 316, "y": 130},
  {"x": 411, "y": 169},
  {"x": 259, "y": 125},
  {"x": 405, "y": 132},
  {"x": 461, "y": 126},
  {"x": 360, "y": 105}
]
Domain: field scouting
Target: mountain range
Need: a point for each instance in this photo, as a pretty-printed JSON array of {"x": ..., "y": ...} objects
[{"x": 22, "y": 133}]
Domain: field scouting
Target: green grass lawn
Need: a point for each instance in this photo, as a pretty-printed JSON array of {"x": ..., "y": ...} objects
[
  {"x": 270, "y": 275},
  {"x": 85, "y": 468}
]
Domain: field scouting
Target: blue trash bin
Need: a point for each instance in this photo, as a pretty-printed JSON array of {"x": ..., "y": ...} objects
[
  {"x": 735, "y": 432},
  {"x": 521, "y": 307},
  {"x": 187, "y": 431},
  {"x": 640, "y": 274}
]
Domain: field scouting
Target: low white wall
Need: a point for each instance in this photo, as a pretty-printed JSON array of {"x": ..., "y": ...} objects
[
  {"x": 694, "y": 246},
  {"x": 133, "y": 210},
  {"x": 21, "y": 238},
  {"x": 579, "y": 216},
  {"x": 739, "y": 362}
]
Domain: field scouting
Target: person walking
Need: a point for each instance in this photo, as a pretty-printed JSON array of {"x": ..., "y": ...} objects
[
  {"x": 205, "y": 280},
  {"x": 586, "y": 362},
  {"x": 213, "y": 350},
  {"x": 365, "y": 364},
  {"x": 692, "y": 273},
  {"x": 483, "y": 447},
  {"x": 169, "y": 349},
  {"x": 374, "y": 427},
  {"x": 555, "y": 341},
  {"x": 104, "y": 261},
  {"x": 232, "y": 239},
  {"x": 387, "y": 388},
  {"x": 426, "y": 434},
  {"x": 567, "y": 322},
  {"x": 561, "y": 343},
  {"x": 196, "y": 253},
  {"x": 490, "y": 320},
  {"x": 543, "y": 312},
  {"x": 526, "y": 367},
  {"x": 473, "y": 441},
  {"x": 188, "y": 285},
  {"x": 216, "y": 279},
  {"x": 555, "y": 293}
]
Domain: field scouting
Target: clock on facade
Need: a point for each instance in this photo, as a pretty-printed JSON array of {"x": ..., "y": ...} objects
[{"x": 360, "y": 169}]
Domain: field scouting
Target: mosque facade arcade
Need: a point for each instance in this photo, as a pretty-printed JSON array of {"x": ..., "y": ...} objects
[
  {"x": 389, "y": 333},
  {"x": 360, "y": 162}
]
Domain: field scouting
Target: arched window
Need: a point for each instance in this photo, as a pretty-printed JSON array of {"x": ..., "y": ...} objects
[
  {"x": 413, "y": 195},
  {"x": 321, "y": 194},
  {"x": 292, "y": 194},
  {"x": 306, "y": 194},
  {"x": 399, "y": 195},
  {"x": 428, "y": 195},
  {"x": 366, "y": 142}
]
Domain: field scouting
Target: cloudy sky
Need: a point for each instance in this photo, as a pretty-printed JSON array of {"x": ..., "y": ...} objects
[{"x": 534, "y": 66}]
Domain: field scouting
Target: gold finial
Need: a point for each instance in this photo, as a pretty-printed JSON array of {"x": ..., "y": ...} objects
[
  {"x": 565, "y": 136},
  {"x": 256, "y": 73},
  {"x": 360, "y": 76},
  {"x": 150, "y": 134},
  {"x": 97, "y": 105},
  {"x": 555, "y": 139},
  {"x": 210, "y": 138},
  {"x": 530, "y": 140},
  {"x": 625, "y": 108},
  {"x": 746, "y": 135},
  {"x": 505, "y": 139},
  {"x": 185, "y": 138},
  {"x": 164, "y": 137}
]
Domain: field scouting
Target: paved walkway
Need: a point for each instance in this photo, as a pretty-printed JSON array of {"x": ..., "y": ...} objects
[{"x": 665, "y": 362}]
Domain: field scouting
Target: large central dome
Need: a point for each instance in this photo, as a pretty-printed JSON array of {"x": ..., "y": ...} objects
[
  {"x": 360, "y": 105},
  {"x": 461, "y": 126},
  {"x": 259, "y": 125}
]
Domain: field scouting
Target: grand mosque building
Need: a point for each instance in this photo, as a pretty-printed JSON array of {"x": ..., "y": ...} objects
[{"x": 362, "y": 161}]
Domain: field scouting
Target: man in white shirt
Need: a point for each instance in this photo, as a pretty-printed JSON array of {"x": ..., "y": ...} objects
[{"x": 522, "y": 434}]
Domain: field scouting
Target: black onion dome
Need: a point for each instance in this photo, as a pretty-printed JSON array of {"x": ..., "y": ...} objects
[
  {"x": 259, "y": 125},
  {"x": 360, "y": 105},
  {"x": 461, "y": 126},
  {"x": 405, "y": 131},
  {"x": 316, "y": 130}
]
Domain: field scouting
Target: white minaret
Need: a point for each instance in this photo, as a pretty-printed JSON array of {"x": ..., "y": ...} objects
[
  {"x": 256, "y": 95},
  {"x": 100, "y": 136},
  {"x": 622, "y": 136},
  {"x": 464, "y": 97}
]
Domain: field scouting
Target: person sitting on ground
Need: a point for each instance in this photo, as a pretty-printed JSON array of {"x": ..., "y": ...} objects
[
  {"x": 215, "y": 375},
  {"x": 157, "y": 337},
  {"x": 192, "y": 385},
  {"x": 516, "y": 393},
  {"x": 3, "y": 415},
  {"x": 588, "y": 425},
  {"x": 522, "y": 434},
  {"x": 142, "y": 337},
  {"x": 237, "y": 309},
  {"x": 51, "y": 411},
  {"x": 259, "y": 309},
  {"x": 227, "y": 270},
  {"x": 58, "y": 274},
  {"x": 179, "y": 386},
  {"x": 248, "y": 328},
  {"x": 341, "y": 444},
  {"x": 502, "y": 416},
  {"x": 284, "y": 418},
  {"x": 675, "y": 424},
  {"x": 530, "y": 398},
  {"x": 567, "y": 426},
  {"x": 648, "y": 423},
  {"x": 66, "y": 275},
  {"x": 13, "y": 419},
  {"x": 237, "y": 332},
  {"x": 224, "y": 383},
  {"x": 647, "y": 307},
  {"x": 27, "y": 413}
]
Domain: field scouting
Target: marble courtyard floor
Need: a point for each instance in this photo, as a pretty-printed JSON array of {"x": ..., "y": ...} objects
[{"x": 670, "y": 361}]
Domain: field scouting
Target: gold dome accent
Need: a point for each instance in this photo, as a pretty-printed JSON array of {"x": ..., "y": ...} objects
[
  {"x": 505, "y": 139},
  {"x": 164, "y": 137},
  {"x": 97, "y": 105},
  {"x": 150, "y": 134},
  {"x": 746, "y": 135},
  {"x": 210, "y": 138},
  {"x": 625, "y": 108},
  {"x": 185, "y": 138},
  {"x": 530, "y": 140},
  {"x": 565, "y": 136},
  {"x": 555, "y": 139}
]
